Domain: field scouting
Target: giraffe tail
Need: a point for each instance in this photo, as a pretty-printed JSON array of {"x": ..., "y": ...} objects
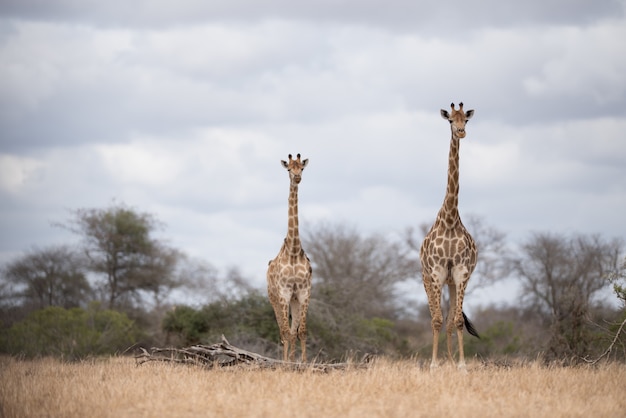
[{"x": 470, "y": 328}]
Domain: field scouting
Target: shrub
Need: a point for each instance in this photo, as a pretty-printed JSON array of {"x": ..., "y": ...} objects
[{"x": 70, "y": 333}]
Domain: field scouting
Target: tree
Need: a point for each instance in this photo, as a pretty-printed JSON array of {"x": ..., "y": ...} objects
[
  {"x": 617, "y": 329},
  {"x": 119, "y": 245},
  {"x": 51, "y": 276},
  {"x": 355, "y": 289},
  {"x": 355, "y": 273},
  {"x": 618, "y": 279},
  {"x": 560, "y": 276}
]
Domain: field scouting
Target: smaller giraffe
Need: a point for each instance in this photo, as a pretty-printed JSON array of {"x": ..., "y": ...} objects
[
  {"x": 448, "y": 253},
  {"x": 289, "y": 274}
]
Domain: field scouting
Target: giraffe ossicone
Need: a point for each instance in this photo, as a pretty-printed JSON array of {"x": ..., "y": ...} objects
[
  {"x": 448, "y": 253},
  {"x": 289, "y": 274}
]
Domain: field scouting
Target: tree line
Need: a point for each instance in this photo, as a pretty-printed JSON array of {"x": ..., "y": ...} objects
[{"x": 114, "y": 290}]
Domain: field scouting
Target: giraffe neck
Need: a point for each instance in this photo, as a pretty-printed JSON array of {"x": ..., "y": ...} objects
[
  {"x": 449, "y": 213},
  {"x": 292, "y": 241}
]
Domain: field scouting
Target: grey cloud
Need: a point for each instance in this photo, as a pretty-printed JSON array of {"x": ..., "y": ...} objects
[
  {"x": 402, "y": 14},
  {"x": 160, "y": 83}
]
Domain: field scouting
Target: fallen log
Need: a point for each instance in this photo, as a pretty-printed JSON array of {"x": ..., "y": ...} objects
[{"x": 224, "y": 354}]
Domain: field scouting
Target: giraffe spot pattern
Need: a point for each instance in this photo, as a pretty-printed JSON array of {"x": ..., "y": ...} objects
[
  {"x": 289, "y": 274},
  {"x": 448, "y": 247}
]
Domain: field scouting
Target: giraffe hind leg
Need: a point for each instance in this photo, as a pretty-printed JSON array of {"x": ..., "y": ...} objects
[
  {"x": 450, "y": 320},
  {"x": 299, "y": 308},
  {"x": 293, "y": 330},
  {"x": 460, "y": 277},
  {"x": 302, "y": 331}
]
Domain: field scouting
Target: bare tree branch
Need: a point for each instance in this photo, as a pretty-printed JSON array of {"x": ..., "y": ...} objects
[
  {"x": 610, "y": 348},
  {"x": 224, "y": 354}
]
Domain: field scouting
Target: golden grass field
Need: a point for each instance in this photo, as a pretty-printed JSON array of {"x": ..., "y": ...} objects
[{"x": 117, "y": 387}]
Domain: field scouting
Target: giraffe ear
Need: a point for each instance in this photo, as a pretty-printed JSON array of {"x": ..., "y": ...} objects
[
  {"x": 444, "y": 114},
  {"x": 469, "y": 114},
  {"x": 284, "y": 164},
  {"x": 305, "y": 162}
]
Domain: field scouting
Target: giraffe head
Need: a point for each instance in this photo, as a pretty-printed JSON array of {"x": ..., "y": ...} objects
[
  {"x": 295, "y": 168},
  {"x": 457, "y": 119}
]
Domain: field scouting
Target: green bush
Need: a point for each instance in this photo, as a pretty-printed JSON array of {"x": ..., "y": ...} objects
[
  {"x": 250, "y": 321},
  {"x": 250, "y": 316},
  {"x": 186, "y": 323},
  {"x": 69, "y": 333},
  {"x": 500, "y": 339}
]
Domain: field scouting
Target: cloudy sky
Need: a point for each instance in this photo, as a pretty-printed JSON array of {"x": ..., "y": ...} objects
[{"x": 184, "y": 109}]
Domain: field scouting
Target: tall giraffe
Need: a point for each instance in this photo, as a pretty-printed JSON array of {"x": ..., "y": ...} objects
[
  {"x": 448, "y": 253},
  {"x": 289, "y": 274}
]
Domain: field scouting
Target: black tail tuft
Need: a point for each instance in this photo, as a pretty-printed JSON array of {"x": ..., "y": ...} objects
[{"x": 470, "y": 328}]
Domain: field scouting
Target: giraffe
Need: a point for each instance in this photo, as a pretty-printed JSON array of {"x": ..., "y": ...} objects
[
  {"x": 448, "y": 253},
  {"x": 289, "y": 274}
]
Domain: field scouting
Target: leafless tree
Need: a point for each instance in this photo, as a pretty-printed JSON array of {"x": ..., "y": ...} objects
[
  {"x": 202, "y": 283},
  {"x": 357, "y": 273},
  {"x": 617, "y": 334},
  {"x": 560, "y": 276},
  {"x": 617, "y": 279},
  {"x": 355, "y": 289}
]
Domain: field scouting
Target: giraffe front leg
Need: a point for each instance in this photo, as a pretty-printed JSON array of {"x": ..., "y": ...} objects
[
  {"x": 433, "y": 289},
  {"x": 283, "y": 324},
  {"x": 299, "y": 308},
  {"x": 436, "y": 323}
]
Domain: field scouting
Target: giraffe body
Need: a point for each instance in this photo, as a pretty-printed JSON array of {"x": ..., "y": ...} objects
[
  {"x": 448, "y": 253},
  {"x": 289, "y": 274}
]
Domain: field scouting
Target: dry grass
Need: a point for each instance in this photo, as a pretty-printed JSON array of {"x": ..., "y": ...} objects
[{"x": 118, "y": 388}]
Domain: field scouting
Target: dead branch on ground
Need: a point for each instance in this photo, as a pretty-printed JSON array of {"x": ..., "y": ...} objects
[{"x": 224, "y": 354}]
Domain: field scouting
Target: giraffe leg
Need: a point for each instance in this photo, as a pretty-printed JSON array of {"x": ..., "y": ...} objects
[
  {"x": 433, "y": 290},
  {"x": 281, "y": 310},
  {"x": 302, "y": 331},
  {"x": 436, "y": 323},
  {"x": 461, "y": 277},
  {"x": 459, "y": 322},
  {"x": 450, "y": 324},
  {"x": 285, "y": 334},
  {"x": 293, "y": 331},
  {"x": 280, "y": 304}
]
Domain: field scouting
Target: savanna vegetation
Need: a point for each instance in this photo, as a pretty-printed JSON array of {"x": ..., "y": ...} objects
[
  {"x": 122, "y": 287},
  {"x": 116, "y": 387}
]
